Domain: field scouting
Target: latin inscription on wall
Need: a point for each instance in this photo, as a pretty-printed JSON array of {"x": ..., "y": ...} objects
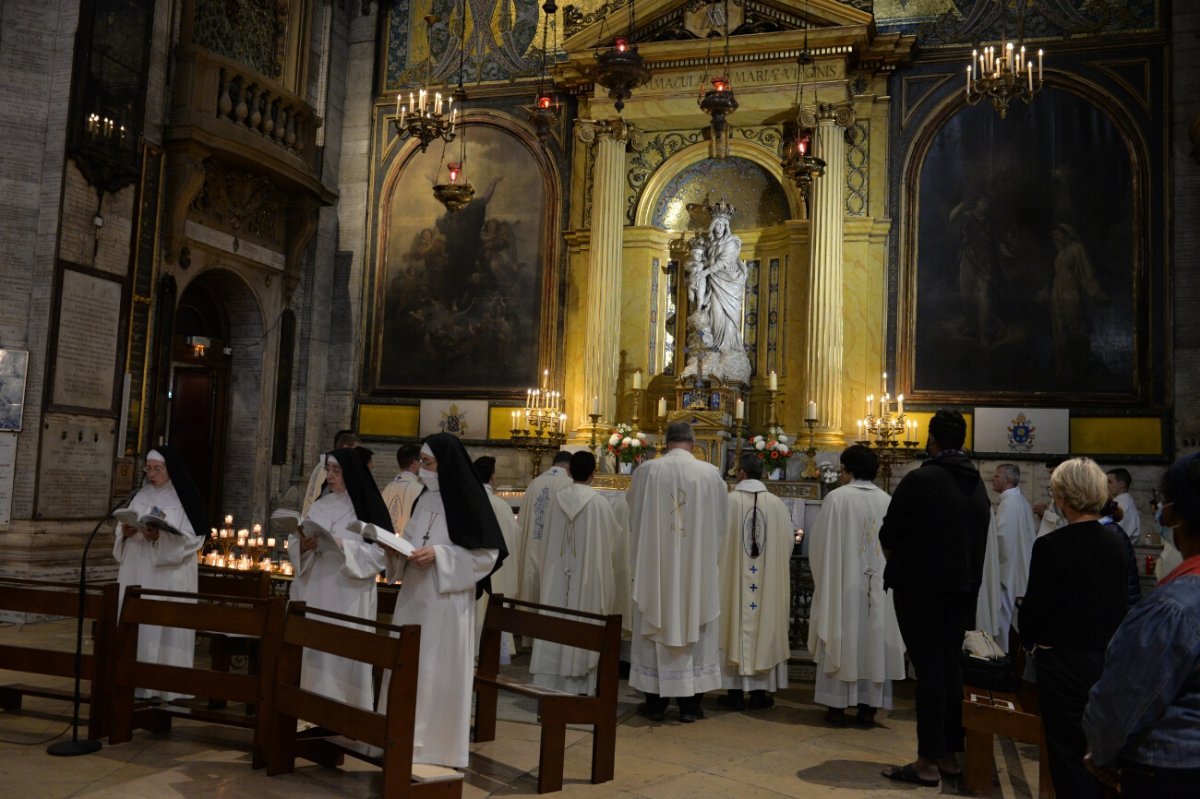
[
  {"x": 75, "y": 469},
  {"x": 88, "y": 319}
]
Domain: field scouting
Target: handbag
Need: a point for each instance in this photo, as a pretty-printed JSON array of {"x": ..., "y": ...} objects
[{"x": 984, "y": 664}]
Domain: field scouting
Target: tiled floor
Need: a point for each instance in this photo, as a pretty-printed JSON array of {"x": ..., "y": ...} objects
[{"x": 787, "y": 751}]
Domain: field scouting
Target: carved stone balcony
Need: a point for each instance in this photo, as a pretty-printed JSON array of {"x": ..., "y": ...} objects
[{"x": 225, "y": 112}]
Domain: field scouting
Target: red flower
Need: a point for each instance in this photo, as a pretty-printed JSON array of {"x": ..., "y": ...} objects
[{"x": 774, "y": 455}]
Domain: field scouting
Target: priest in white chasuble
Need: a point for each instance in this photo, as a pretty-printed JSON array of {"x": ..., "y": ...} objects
[
  {"x": 401, "y": 494},
  {"x": 341, "y": 579},
  {"x": 579, "y": 573},
  {"x": 458, "y": 544},
  {"x": 987, "y": 605},
  {"x": 504, "y": 579},
  {"x": 678, "y": 507},
  {"x": 1015, "y": 533},
  {"x": 756, "y": 591},
  {"x": 852, "y": 631},
  {"x": 160, "y": 559},
  {"x": 535, "y": 512}
]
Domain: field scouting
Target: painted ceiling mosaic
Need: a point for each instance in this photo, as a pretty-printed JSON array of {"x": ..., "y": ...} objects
[{"x": 758, "y": 197}]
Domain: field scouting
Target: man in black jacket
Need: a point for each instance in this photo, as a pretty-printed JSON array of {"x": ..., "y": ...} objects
[{"x": 934, "y": 536}]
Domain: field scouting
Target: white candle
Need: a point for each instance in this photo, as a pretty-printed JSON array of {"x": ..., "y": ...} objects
[
  {"x": 257, "y": 529},
  {"x": 637, "y": 380},
  {"x": 812, "y": 410},
  {"x": 884, "y": 391},
  {"x": 739, "y": 410},
  {"x": 228, "y": 520},
  {"x": 595, "y": 406},
  {"x": 870, "y": 405},
  {"x": 968, "y": 80},
  {"x": 662, "y": 407},
  {"x": 860, "y": 429},
  {"x": 900, "y": 404},
  {"x": 773, "y": 381},
  {"x": 271, "y": 543},
  {"x": 1039, "y": 66}
]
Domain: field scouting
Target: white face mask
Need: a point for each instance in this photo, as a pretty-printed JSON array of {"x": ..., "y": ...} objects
[{"x": 429, "y": 478}]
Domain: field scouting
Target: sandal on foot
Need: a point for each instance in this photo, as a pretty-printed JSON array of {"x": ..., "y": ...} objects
[{"x": 907, "y": 773}]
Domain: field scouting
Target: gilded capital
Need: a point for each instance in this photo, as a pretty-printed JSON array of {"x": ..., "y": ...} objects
[
  {"x": 842, "y": 114},
  {"x": 589, "y": 130}
]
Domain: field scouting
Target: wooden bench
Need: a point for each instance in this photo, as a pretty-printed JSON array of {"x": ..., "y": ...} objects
[
  {"x": 556, "y": 709},
  {"x": 385, "y": 739},
  {"x": 223, "y": 648},
  {"x": 987, "y": 714},
  {"x": 62, "y": 599},
  {"x": 261, "y": 619}
]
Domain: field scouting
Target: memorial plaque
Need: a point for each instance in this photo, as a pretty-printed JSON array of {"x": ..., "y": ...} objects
[
  {"x": 8, "y": 464},
  {"x": 76, "y": 466},
  {"x": 89, "y": 315}
]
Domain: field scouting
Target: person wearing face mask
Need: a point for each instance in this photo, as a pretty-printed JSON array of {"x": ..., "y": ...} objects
[
  {"x": 1170, "y": 557},
  {"x": 457, "y": 546},
  {"x": 1074, "y": 601},
  {"x": 1142, "y": 719},
  {"x": 163, "y": 560},
  {"x": 342, "y": 581}
]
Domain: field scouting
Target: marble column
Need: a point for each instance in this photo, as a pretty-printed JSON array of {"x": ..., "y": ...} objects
[
  {"x": 602, "y": 313},
  {"x": 824, "y": 342}
]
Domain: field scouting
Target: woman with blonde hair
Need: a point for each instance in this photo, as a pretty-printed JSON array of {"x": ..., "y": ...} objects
[{"x": 1073, "y": 603}]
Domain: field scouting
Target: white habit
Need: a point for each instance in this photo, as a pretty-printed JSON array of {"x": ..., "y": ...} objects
[
  {"x": 988, "y": 604},
  {"x": 678, "y": 506},
  {"x": 578, "y": 572},
  {"x": 535, "y": 513},
  {"x": 504, "y": 581},
  {"x": 441, "y": 598},
  {"x": 852, "y": 629},
  {"x": 400, "y": 495},
  {"x": 168, "y": 564},
  {"x": 622, "y": 568},
  {"x": 1131, "y": 521},
  {"x": 1015, "y": 533},
  {"x": 342, "y": 583},
  {"x": 756, "y": 589},
  {"x": 316, "y": 482}
]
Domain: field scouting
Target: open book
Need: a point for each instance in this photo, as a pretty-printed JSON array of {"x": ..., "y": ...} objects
[
  {"x": 326, "y": 542},
  {"x": 284, "y": 521},
  {"x": 371, "y": 532},
  {"x": 130, "y": 518}
]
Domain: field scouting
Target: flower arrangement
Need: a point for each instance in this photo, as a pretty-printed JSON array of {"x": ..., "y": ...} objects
[
  {"x": 625, "y": 445},
  {"x": 772, "y": 448},
  {"x": 830, "y": 475}
]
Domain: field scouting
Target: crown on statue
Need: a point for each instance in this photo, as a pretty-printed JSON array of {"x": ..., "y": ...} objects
[{"x": 721, "y": 210}]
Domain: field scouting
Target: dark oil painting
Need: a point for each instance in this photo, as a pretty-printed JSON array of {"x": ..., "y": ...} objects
[
  {"x": 1025, "y": 257},
  {"x": 461, "y": 290}
]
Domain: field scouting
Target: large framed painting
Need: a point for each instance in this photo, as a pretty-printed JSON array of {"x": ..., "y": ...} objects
[
  {"x": 1021, "y": 268},
  {"x": 463, "y": 300}
]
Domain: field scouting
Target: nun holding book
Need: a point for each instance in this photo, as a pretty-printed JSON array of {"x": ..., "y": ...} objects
[{"x": 157, "y": 537}]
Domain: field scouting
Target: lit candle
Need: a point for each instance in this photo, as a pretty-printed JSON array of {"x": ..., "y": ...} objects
[
  {"x": 860, "y": 429},
  {"x": 637, "y": 380},
  {"x": 739, "y": 410},
  {"x": 1039, "y": 66},
  {"x": 228, "y": 521},
  {"x": 595, "y": 406},
  {"x": 562, "y": 423},
  {"x": 900, "y": 404},
  {"x": 662, "y": 407},
  {"x": 1029, "y": 72},
  {"x": 773, "y": 381},
  {"x": 398, "y": 104},
  {"x": 968, "y": 80},
  {"x": 812, "y": 410},
  {"x": 257, "y": 529},
  {"x": 214, "y": 533},
  {"x": 870, "y": 405},
  {"x": 884, "y": 392},
  {"x": 271, "y": 543}
]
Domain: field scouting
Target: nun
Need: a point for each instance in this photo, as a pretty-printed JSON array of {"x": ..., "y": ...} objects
[
  {"x": 154, "y": 558},
  {"x": 341, "y": 580},
  {"x": 458, "y": 545}
]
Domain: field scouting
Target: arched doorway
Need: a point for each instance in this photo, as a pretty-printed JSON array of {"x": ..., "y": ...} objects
[{"x": 216, "y": 359}]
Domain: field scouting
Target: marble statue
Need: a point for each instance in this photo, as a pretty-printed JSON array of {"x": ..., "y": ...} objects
[{"x": 716, "y": 280}]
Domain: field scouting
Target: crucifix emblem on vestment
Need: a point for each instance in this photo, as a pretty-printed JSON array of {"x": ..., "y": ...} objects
[{"x": 680, "y": 499}]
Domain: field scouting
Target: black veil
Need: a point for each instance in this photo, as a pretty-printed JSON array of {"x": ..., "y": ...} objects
[
  {"x": 360, "y": 485},
  {"x": 185, "y": 488}
]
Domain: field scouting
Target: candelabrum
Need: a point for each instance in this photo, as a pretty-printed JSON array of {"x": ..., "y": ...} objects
[
  {"x": 1002, "y": 76},
  {"x": 242, "y": 550},
  {"x": 883, "y": 434},
  {"x": 542, "y": 426},
  {"x": 595, "y": 419},
  {"x": 637, "y": 402},
  {"x": 811, "y": 472}
]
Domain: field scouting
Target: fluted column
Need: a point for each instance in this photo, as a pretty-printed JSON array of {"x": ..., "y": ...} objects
[
  {"x": 823, "y": 355},
  {"x": 602, "y": 311}
]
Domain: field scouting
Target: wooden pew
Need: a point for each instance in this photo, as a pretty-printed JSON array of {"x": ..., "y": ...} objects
[
  {"x": 346, "y": 729},
  {"x": 223, "y": 648},
  {"x": 62, "y": 599},
  {"x": 987, "y": 714},
  {"x": 258, "y": 618},
  {"x": 556, "y": 709}
]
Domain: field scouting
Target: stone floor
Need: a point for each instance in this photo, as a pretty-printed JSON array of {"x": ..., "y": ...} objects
[{"x": 787, "y": 751}]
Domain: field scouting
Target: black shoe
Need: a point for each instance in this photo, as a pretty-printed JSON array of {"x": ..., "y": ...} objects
[
  {"x": 865, "y": 717},
  {"x": 654, "y": 708},
  {"x": 690, "y": 710},
  {"x": 733, "y": 700},
  {"x": 761, "y": 700},
  {"x": 836, "y": 716}
]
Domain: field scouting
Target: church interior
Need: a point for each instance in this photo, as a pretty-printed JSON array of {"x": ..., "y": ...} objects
[{"x": 238, "y": 227}]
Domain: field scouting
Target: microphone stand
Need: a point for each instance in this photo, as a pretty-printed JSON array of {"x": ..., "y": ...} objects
[{"x": 75, "y": 746}]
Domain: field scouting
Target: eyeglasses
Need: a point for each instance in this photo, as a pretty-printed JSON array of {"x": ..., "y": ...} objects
[{"x": 157, "y": 468}]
